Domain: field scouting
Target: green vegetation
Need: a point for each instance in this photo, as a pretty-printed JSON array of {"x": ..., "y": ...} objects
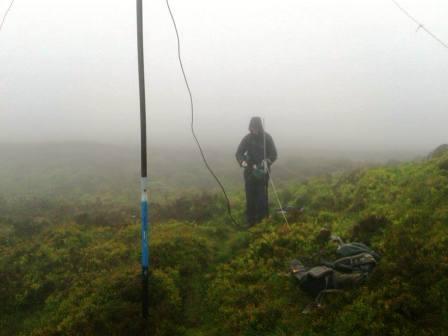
[{"x": 71, "y": 267}]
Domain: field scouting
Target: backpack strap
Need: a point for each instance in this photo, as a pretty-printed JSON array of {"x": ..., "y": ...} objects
[{"x": 361, "y": 262}]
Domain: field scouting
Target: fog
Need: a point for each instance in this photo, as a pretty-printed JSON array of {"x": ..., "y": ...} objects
[{"x": 324, "y": 74}]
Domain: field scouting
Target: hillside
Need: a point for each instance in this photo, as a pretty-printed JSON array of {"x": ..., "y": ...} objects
[
  {"x": 68, "y": 270},
  {"x": 84, "y": 172}
]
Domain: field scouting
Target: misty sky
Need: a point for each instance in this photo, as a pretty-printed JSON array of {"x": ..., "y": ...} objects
[{"x": 322, "y": 73}]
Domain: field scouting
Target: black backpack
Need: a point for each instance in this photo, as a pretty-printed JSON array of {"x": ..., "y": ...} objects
[
  {"x": 354, "y": 259},
  {"x": 356, "y": 263}
]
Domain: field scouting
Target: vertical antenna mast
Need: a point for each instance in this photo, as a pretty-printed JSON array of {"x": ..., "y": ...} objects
[{"x": 144, "y": 173}]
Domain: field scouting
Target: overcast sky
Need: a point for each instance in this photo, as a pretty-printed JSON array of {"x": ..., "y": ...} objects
[{"x": 345, "y": 73}]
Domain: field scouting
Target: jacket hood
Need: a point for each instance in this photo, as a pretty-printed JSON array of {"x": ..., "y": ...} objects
[{"x": 256, "y": 124}]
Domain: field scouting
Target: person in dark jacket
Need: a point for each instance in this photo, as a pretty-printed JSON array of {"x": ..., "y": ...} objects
[{"x": 256, "y": 153}]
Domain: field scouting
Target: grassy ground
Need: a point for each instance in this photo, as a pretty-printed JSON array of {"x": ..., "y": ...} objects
[{"x": 73, "y": 269}]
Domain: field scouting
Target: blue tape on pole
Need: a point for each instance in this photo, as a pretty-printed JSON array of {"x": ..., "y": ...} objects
[{"x": 145, "y": 249}]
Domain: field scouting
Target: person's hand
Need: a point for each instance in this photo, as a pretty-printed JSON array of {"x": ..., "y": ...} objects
[{"x": 243, "y": 164}]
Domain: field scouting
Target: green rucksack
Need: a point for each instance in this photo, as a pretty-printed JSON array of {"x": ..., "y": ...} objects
[
  {"x": 356, "y": 257},
  {"x": 356, "y": 263},
  {"x": 349, "y": 249}
]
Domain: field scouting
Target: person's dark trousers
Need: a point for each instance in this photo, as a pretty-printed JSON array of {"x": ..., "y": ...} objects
[{"x": 256, "y": 198}]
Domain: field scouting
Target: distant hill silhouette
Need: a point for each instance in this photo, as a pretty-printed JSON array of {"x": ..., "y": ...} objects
[{"x": 438, "y": 152}]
